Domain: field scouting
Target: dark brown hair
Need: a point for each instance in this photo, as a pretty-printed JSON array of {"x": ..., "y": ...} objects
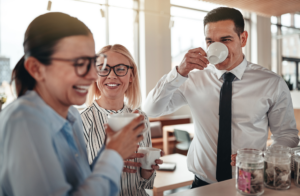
[
  {"x": 41, "y": 37},
  {"x": 226, "y": 13}
]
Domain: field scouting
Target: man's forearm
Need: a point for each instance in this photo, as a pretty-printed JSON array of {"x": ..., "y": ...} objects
[{"x": 165, "y": 98}]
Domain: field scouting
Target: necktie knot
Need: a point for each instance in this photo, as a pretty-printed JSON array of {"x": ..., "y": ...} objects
[{"x": 228, "y": 77}]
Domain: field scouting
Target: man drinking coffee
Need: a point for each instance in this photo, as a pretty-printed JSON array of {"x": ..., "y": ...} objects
[{"x": 232, "y": 103}]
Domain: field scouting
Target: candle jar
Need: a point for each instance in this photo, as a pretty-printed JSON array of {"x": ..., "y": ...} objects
[
  {"x": 277, "y": 170},
  {"x": 297, "y": 168},
  {"x": 249, "y": 172}
]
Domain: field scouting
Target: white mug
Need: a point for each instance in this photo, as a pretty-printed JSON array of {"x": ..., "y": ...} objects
[
  {"x": 217, "y": 52},
  {"x": 117, "y": 121},
  {"x": 151, "y": 154}
]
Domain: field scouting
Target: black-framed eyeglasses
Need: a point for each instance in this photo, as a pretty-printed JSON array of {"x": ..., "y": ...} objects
[
  {"x": 83, "y": 64},
  {"x": 120, "y": 70}
]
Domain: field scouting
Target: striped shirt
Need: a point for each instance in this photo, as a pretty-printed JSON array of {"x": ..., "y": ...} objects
[{"x": 94, "y": 117}]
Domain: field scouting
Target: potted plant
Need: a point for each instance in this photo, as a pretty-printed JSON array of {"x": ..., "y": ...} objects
[
  {"x": 2, "y": 100},
  {"x": 288, "y": 82}
]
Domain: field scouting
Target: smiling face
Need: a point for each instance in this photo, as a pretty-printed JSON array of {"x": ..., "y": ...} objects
[
  {"x": 224, "y": 31},
  {"x": 59, "y": 85},
  {"x": 113, "y": 87}
]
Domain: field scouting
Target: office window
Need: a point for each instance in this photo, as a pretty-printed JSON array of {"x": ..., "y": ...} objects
[
  {"x": 14, "y": 23},
  {"x": 16, "y": 15},
  {"x": 286, "y": 19},
  {"x": 297, "y": 20},
  {"x": 88, "y": 13},
  {"x": 286, "y": 35},
  {"x": 13, "y": 26},
  {"x": 121, "y": 26},
  {"x": 187, "y": 32}
]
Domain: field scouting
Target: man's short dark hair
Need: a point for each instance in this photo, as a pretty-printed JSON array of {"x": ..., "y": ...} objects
[{"x": 226, "y": 13}]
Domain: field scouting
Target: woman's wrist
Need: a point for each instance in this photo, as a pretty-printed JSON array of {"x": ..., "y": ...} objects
[{"x": 146, "y": 174}]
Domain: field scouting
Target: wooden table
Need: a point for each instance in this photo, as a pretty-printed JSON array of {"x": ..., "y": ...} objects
[
  {"x": 167, "y": 180},
  {"x": 227, "y": 188},
  {"x": 170, "y": 129}
]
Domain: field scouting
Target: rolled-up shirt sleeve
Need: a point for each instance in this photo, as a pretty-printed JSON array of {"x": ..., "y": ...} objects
[
  {"x": 166, "y": 97},
  {"x": 32, "y": 167},
  {"x": 281, "y": 118}
]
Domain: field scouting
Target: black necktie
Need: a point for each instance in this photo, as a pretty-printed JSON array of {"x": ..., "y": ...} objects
[{"x": 224, "y": 171}]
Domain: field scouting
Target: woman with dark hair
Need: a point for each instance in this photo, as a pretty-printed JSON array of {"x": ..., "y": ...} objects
[{"x": 42, "y": 148}]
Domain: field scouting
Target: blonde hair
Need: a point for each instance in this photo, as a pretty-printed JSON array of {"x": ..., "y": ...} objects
[{"x": 133, "y": 92}]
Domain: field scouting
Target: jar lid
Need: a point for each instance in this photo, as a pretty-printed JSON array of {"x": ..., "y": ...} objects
[
  {"x": 249, "y": 151},
  {"x": 279, "y": 148},
  {"x": 250, "y": 155},
  {"x": 279, "y": 157}
]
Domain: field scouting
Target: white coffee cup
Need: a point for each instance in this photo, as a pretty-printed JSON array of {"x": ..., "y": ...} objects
[
  {"x": 151, "y": 154},
  {"x": 217, "y": 52},
  {"x": 117, "y": 121}
]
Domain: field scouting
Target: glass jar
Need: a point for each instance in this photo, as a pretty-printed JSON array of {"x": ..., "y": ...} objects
[
  {"x": 249, "y": 172},
  {"x": 297, "y": 167},
  {"x": 277, "y": 170}
]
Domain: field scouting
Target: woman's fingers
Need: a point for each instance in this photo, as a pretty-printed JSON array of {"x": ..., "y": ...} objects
[
  {"x": 159, "y": 161},
  {"x": 155, "y": 167},
  {"x": 136, "y": 111},
  {"x": 136, "y": 155},
  {"x": 127, "y": 170},
  {"x": 139, "y": 138},
  {"x": 133, "y": 164},
  {"x": 162, "y": 153}
]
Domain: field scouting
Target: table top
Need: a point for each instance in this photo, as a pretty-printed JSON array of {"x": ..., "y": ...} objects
[
  {"x": 181, "y": 176},
  {"x": 189, "y": 127},
  {"x": 227, "y": 188},
  {"x": 170, "y": 117}
]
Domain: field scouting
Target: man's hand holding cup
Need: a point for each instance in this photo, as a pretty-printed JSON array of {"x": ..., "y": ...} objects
[{"x": 194, "y": 59}]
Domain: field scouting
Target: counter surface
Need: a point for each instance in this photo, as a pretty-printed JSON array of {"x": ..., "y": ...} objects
[{"x": 227, "y": 188}]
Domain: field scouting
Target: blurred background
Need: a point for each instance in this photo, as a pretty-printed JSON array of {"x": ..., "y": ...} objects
[{"x": 159, "y": 32}]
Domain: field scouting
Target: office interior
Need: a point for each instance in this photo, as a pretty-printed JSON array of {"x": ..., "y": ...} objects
[{"x": 158, "y": 33}]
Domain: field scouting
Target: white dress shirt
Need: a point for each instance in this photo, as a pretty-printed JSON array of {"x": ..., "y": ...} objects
[{"x": 260, "y": 99}]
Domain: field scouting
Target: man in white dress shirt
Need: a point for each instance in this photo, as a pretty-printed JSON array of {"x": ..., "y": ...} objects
[{"x": 260, "y": 99}]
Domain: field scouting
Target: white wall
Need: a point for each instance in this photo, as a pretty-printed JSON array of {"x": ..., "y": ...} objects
[{"x": 155, "y": 42}]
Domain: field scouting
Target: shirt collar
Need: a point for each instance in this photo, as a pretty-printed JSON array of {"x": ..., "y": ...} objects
[
  {"x": 109, "y": 111},
  {"x": 56, "y": 121},
  {"x": 238, "y": 71}
]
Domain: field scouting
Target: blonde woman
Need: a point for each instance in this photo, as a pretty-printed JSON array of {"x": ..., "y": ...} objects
[{"x": 117, "y": 82}]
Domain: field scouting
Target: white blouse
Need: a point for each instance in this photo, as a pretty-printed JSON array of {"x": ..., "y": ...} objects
[{"x": 93, "y": 118}]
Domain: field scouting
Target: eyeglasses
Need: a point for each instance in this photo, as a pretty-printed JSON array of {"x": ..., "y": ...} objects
[
  {"x": 83, "y": 64},
  {"x": 120, "y": 70}
]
